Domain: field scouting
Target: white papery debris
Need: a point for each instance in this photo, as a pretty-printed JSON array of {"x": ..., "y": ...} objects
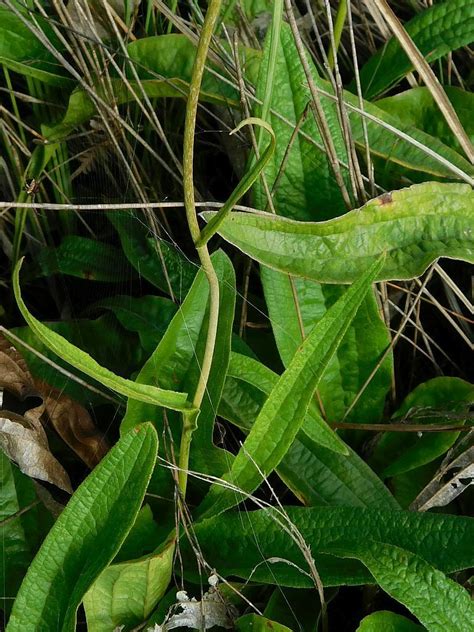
[{"x": 211, "y": 611}]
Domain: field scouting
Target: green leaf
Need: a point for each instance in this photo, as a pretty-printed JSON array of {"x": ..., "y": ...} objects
[
  {"x": 86, "y": 536},
  {"x": 176, "y": 362},
  {"x": 126, "y": 594},
  {"x": 148, "y": 316},
  {"x": 388, "y": 622},
  {"x": 403, "y": 148},
  {"x": 257, "y": 623},
  {"x": 305, "y": 188},
  {"x": 439, "y": 603},
  {"x": 103, "y": 338},
  {"x": 155, "y": 259},
  {"x": 233, "y": 10},
  {"x": 20, "y": 533},
  {"x": 84, "y": 258},
  {"x": 164, "y": 65},
  {"x": 304, "y": 192},
  {"x": 172, "y": 56},
  {"x": 85, "y": 363},
  {"x": 283, "y": 413},
  {"x": 314, "y": 429},
  {"x": 239, "y": 543},
  {"x": 291, "y": 299},
  {"x": 244, "y": 184},
  {"x": 81, "y": 107},
  {"x": 436, "y": 31},
  {"x": 141, "y": 539},
  {"x": 24, "y": 53},
  {"x": 289, "y": 606},
  {"x": 413, "y": 227},
  {"x": 316, "y": 474},
  {"x": 417, "y": 108},
  {"x": 440, "y": 400}
]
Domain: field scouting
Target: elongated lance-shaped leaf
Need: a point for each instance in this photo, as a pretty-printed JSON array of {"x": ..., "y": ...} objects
[
  {"x": 313, "y": 430},
  {"x": 438, "y": 602},
  {"x": 284, "y": 411},
  {"x": 413, "y": 226},
  {"x": 85, "y": 363},
  {"x": 20, "y": 534},
  {"x": 304, "y": 188},
  {"x": 245, "y": 544},
  {"x": 177, "y": 359},
  {"x": 294, "y": 306},
  {"x": 442, "y": 28},
  {"x": 155, "y": 259},
  {"x": 24, "y": 53},
  {"x": 244, "y": 185},
  {"x": 83, "y": 258},
  {"x": 86, "y": 536},
  {"x": 316, "y": 474}
]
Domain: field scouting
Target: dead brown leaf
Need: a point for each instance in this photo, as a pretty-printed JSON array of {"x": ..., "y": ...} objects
[
  {"x": 24, "y": 441},
  {"x": 69, "y": 419},
  {"x": 73, "y": 424},
  {"x": 15, "y": 376}
]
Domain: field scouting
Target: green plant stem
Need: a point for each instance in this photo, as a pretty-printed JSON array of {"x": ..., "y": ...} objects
[
  {"x": 277, "y": 19},
  {"x": 338, "y": 28},
  {"x": 189, "y": 426},
  {"x": 203, "y": 253},
  {"x": 20, "y": 221}
]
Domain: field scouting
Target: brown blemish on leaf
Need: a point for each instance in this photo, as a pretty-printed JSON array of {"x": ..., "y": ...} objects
[{"x": 386, "y": 198}]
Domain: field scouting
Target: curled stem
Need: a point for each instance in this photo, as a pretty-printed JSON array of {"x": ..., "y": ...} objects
[
  {"x": 244, "y": 185},
  {"x": 203, "y": 253}
]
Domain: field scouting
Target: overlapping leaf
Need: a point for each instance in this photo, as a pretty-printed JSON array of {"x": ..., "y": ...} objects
[
  {"x": 417, "y": 107},
  {"x": 84, "y": 258},
  {"x": 125, "y": 594},
  {"x": 413, "y": 227},
  {"x": 85, "y": 363},
  {"x": 440, "y": 400},
  {"x": 294, "y": 303},
  {"x": 103, "y": 338},
  {"x": 20, "y": 533},
  {"x": 24, "y": 53},
  {"x": 436, "y": 31},
  {"x": 86, "y": 536},
  {"x": 302, "y": 191},
  {"x": 148, "y": 316},
  {"x": 438, "y": 602},
  {"x": 283, "y": 413},
  {"x": 157, "y": 260},
  {"x": 316, "y": 474},
  {"x": 255, "y": 544},
  {"x": 176, "y": 362}
]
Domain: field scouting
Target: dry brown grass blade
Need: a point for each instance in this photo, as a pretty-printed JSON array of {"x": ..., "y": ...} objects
[{"x": 451, "y": 481}]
